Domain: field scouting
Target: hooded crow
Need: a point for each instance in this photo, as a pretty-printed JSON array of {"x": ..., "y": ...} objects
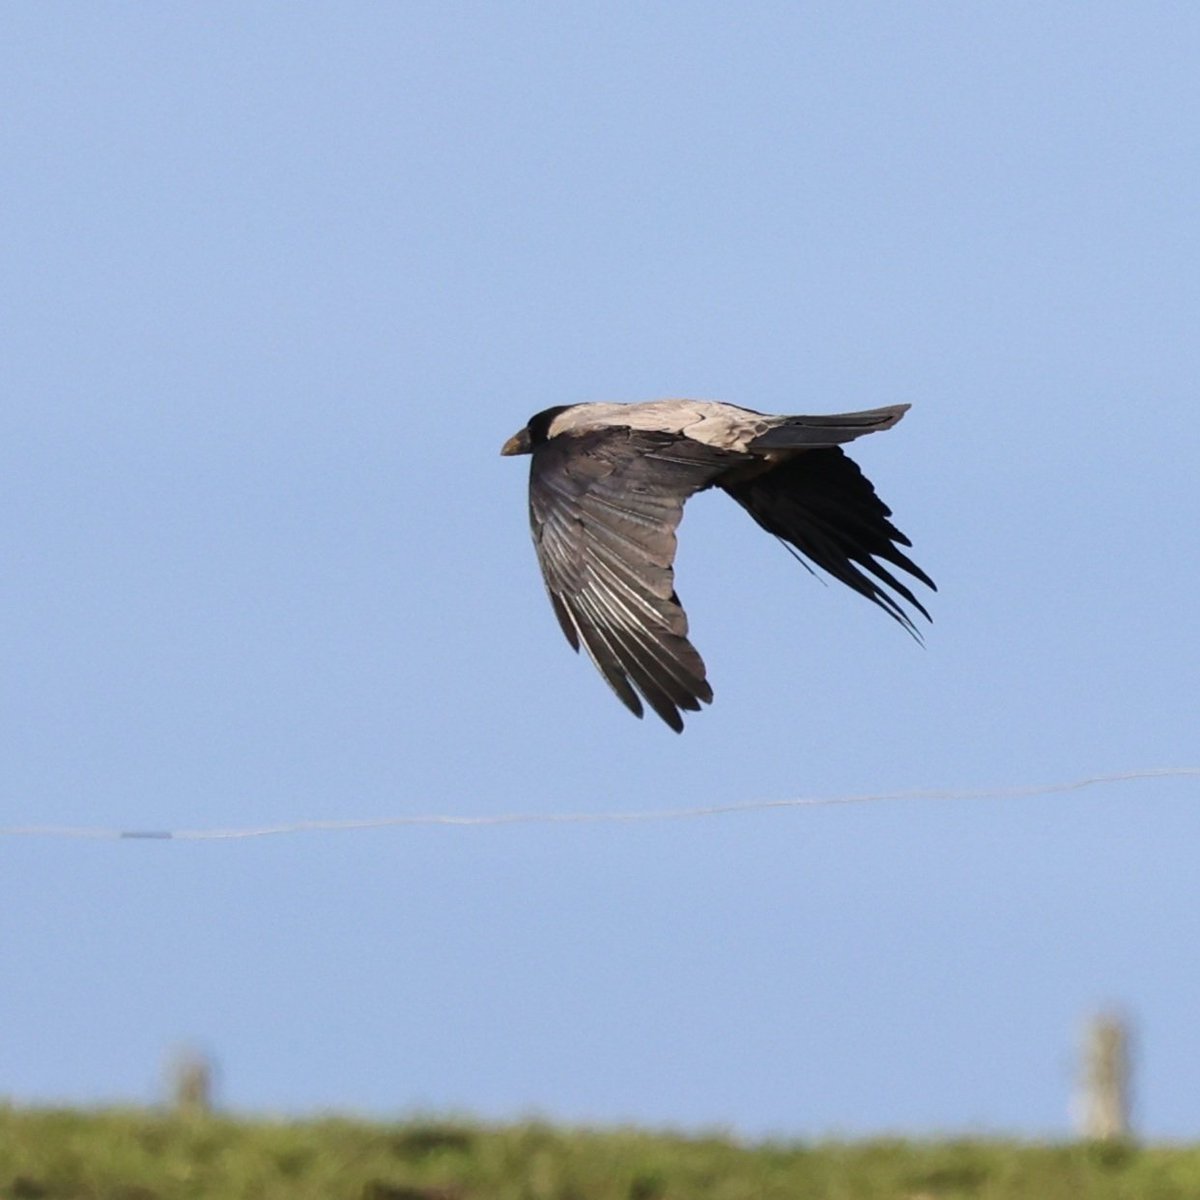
[{"x": 607, "y": 486}]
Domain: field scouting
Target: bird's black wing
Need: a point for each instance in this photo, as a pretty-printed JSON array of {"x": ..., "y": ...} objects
[
  {"x": 604, "y": 506},
  {"x": 821, "y": 504}
]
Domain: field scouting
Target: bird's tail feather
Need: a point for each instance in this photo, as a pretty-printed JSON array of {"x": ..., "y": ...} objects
[{"x": 795, "y": 433}]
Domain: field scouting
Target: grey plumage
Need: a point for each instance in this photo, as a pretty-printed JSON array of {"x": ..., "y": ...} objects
[{"x": 607, "y": 487}]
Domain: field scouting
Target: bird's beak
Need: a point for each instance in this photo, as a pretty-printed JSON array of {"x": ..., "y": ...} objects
[{"x": 517, "y": 444}]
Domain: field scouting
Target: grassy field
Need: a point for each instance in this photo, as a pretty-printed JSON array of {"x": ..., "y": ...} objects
[{"x": 139, "y": 1155}]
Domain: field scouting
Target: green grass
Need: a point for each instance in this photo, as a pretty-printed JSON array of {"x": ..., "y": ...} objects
[{"x": 138, "y": 1155}]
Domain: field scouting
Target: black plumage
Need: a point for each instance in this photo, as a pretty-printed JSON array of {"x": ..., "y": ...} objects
[
  {"x": 820, "y": 504},
  {"x": 607, "y": 487}
]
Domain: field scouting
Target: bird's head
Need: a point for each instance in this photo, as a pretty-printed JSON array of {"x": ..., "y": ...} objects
[{"x": 527, "y": 440}]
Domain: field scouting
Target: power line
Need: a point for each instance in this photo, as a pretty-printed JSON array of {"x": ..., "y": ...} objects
[{"x": 586, "y": 818}]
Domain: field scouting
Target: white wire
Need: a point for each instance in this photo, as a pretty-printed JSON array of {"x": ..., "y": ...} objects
[{"x": 588, "y": 818}]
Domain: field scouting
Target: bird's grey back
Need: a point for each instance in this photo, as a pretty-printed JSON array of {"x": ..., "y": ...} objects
[
  {"x": 709, "y": 421},
  {"x": 727, "y": 426}
]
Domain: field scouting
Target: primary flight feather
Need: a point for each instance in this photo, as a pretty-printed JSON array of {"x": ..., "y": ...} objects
[{"x": 607, "y": 486}]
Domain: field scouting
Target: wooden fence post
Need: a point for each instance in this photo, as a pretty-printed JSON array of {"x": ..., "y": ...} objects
[
  {"x": 1105, "y": 1080},
  {"x": 190, "y": 1082}
]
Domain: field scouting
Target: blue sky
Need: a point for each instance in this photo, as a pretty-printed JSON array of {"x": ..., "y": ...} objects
[{"x": 279, "y": 281}]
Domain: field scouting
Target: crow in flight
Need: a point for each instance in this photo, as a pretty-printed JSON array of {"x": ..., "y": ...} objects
[{"x": 607, "y": 486}]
